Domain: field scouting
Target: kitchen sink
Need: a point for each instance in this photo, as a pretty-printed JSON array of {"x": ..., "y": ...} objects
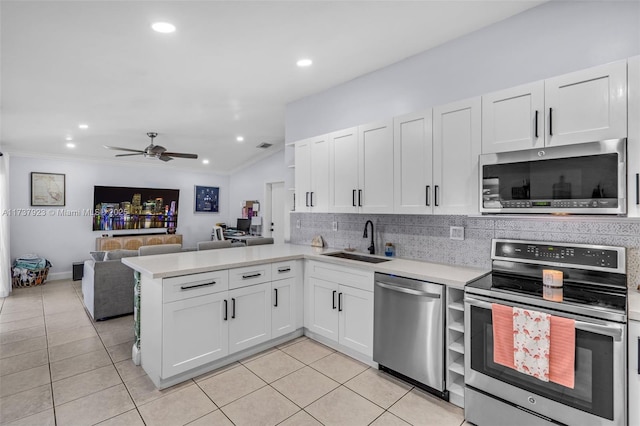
[{"x": 358, "y": 257}]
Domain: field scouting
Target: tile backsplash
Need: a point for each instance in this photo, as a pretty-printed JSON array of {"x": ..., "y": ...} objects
[{"x": 426, "y": 238}]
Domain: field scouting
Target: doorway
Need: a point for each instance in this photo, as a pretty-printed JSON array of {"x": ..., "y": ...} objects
[{"x": 274, "y": 225}]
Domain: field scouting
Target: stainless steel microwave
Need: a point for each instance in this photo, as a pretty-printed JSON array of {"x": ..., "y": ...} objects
[{"x": 586, "y": 178}]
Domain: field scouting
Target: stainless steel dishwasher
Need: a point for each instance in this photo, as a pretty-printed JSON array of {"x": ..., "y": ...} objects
[{"x": 408, "y": 330}]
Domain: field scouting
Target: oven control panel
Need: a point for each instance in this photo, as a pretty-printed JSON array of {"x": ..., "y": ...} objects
[{"x": 578, "y": 255}]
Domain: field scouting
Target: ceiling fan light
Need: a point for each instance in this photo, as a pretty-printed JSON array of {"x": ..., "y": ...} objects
[{"x": 163, "y": 27}]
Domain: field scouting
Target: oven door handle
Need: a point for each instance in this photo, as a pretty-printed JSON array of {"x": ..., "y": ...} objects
[
  {"x": 394, "y": 287},
  {"x": 614, "y": 331}
]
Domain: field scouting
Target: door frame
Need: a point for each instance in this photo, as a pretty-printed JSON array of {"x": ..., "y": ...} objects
[{"x": 266, "y": 225}]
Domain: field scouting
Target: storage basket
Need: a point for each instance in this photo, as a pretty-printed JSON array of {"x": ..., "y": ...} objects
[{"x": 33, "y": 278}]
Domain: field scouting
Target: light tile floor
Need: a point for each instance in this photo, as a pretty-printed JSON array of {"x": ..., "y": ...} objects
[{"x": 57, "y": 367}]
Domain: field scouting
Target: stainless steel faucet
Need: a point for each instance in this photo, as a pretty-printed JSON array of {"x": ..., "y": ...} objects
[{"x": 372, "y": 247}]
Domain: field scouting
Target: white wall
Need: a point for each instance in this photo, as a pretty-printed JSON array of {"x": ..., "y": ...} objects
[
  {"x": 249, "y": 183},
  {"x": 64, "y": 240},
  {"x": 551, "y": 39}
]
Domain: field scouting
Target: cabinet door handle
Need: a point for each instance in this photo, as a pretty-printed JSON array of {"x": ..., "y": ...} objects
[
  {"x": 233, "y": 308},
  {"x": 428, "y": 195},
  {"x": 311, "y": 197},
  {"x": 638, "y": 355},
  {"x": 306, "y": 199},
  {"x": 339, "y": 302},
  {"x": 333, "y": 297},
  {"x": 359, "y": 197},
  {"x": 550, "y": 121},
  {"x": 353, "y": 198},
  {"x": 226, "y": 305},
  {"x": 189, "y": 287},
  {"x": 637, "y": 189},
  {"x": 246, "y": 277},
  {"x": 276, "y": 304},
  {"x": 536, "y": 124},
  {"x": 436, "y": 195}
]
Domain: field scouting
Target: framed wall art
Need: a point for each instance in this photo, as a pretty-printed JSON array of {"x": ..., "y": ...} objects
[
  {"x": 206, "y": 199},
  {"x": 47, "y": 189}
]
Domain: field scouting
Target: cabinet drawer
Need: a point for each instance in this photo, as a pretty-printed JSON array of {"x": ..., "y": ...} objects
[
  {"x": 241, "y": 277},
  {"x": 345, "y": 275},
  {"x": 186, "y": 286},
  {"x": 283, "y": 270}
]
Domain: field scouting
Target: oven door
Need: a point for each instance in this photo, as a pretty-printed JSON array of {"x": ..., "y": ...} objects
[{"x": 600, "y": 373}]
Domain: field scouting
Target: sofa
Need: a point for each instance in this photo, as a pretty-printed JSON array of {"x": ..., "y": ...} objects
[{"x": 107, "y": 283}]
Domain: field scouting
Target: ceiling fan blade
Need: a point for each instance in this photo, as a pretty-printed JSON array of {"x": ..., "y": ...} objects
[
  {"x": 123, "y": 149},
  {"x": 127, "y": 155},
  {"x": 165, "y": 158},
  {"x": 180, "y": 155}
]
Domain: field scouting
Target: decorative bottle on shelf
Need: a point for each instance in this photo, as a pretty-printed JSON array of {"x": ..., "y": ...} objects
[{"x": 389, "y": 250}]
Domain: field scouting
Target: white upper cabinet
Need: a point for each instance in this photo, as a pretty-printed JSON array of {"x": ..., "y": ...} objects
[
  {"x": 587, "y": 105},
  {"x": 312, "y": 174},
  {"x": 633, "y": 142},
  {"x": 456, "y": 146},
  {"x": 343, "y": 171},
  {"x": 513, "y": 119},
  {"x": 413, "y": 163},
  {"x": 583, "y": 106},
  {"x": 361, "y": 169},
  {"x": 375, "y": 192}
]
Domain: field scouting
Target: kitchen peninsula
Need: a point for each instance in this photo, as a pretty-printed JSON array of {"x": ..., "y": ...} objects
[{"x": 202, "y": 310}]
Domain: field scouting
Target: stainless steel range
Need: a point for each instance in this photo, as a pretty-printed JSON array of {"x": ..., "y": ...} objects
[{"x": 594, "y": 294}]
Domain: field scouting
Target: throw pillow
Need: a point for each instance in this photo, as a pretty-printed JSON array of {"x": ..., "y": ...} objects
[
  {"x": 119, "y": 254},
  {"x": 98, "y": 256}
]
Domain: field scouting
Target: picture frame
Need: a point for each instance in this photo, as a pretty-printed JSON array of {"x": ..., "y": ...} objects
[
  {"x": 48, "y": 189},
  {"x": 207, "y": 199}
]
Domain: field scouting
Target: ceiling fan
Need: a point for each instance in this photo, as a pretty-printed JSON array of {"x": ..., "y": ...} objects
[{"x": 153, "y": 151}]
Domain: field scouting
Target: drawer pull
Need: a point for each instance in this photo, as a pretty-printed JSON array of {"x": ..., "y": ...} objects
[
  {"x": 282, "y": 270},
  {"x": 189, "y": 287},
  {"x": 246, "y": 277}
]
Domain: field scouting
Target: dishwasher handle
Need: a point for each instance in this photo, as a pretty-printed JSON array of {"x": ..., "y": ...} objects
[{"x": 397, "y": 288}]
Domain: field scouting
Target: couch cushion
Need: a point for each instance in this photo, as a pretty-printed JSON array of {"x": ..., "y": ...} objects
[
  {"x": 119, "y": 254},
  {"x": 98, "y": 256}
]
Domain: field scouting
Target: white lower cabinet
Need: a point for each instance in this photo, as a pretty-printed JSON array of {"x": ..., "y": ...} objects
[
  {"x": 194, "y": 333},
  {"x": 455, "y": 345},
  {"x": 249, "y": 316},
  {"x": 337, "y": 311},
  {"x": 355, "y": 312},
  {"x": 283, "y": 308},
  {"x": 634, "y": 373}
]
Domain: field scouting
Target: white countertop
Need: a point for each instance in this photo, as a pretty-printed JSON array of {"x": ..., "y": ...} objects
[
  {"x": 634, "y": 305},
  {"x": 193, "y": 262}
]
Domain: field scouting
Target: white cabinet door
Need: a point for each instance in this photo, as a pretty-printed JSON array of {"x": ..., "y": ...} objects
[
  {"x": 302, "y": 155},
  {"x": 319, "y": 168},
  {"x": 412, "y": 163},
  {"x": 513, "y": 119},
  {"x": 633, "y": 141},
  {"x": 588, "y": 105},
  {"x": 322, "y": 315},
  {"x": 343, "y": 171},
  {"x": 249, "y": 316},
  {"x": 634, "y": 373},
  {"x": 194, "y": 332},
  {"x": 456, "y": 146},
  {"x": 356, "y": 319},
  {"x": 375, "y": 166},
  {"x": 283, "y": 308}
]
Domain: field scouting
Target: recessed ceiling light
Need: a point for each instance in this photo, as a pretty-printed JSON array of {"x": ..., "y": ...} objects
[
  {"x": 304, "y": 62},
  {"x": 71, "y": 145},
  {"x": 240, "y": 139},
  {"x": 163, "y": 27},
  {"x": 83, "y": 126},
  {"x": 205, "y": 161},
  {"x": 68, "y": 138}
]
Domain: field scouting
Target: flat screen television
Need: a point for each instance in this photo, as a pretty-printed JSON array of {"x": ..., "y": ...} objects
[{"x": 119, "y": 207}]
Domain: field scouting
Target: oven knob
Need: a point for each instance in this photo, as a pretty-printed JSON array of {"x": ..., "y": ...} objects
[{"x": 532, "y": 400}]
